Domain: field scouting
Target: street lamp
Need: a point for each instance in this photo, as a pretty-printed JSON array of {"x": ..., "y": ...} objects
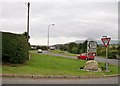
[{"x": 48, "y": 35}]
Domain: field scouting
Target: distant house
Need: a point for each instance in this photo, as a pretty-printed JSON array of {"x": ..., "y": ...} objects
[
  {"x": 52, "y": 47},
  {"x": 33, "y": 47}
]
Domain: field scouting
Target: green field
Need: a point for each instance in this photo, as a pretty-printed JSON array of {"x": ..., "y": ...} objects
[
  {"x": 62, "y": 52},
  {"x": 41, "y": 64}
]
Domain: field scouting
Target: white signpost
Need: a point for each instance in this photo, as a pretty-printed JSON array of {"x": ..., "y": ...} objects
[{"x": 91, "y": 47}]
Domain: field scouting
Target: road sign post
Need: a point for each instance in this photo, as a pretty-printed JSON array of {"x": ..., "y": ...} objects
[
  {"x": 106, "y": 58},
  {"x": 106, "y": 41},
  {"x": 91, "y": 47}
]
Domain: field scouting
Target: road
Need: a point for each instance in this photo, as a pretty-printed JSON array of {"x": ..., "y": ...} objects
[
  {"x": 110, "y": 80},
  {"x": 111, "y": 61},
  {"x": 99, "y": 59}
]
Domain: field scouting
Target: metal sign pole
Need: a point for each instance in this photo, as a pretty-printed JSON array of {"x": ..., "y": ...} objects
[
  {"x": 87, "y": 49},
  {"x": 106, "y": 58},
  {"x": 106, "y": 41},
  {"x": 91, "y": 47}
]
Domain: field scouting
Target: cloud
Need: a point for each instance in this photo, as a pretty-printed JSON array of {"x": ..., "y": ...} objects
[{"x": 73, "y": 20}]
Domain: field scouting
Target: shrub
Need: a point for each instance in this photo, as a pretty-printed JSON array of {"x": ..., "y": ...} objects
[
  {"x": 15, "y": 48},
  {"x": 112, "y": 55},
  {"x": 0, "y": 40}
]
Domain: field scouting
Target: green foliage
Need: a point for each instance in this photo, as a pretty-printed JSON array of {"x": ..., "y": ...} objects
[
  {"x": 80, "y": 48},
  {"x": 72, "y": 47},
  {"x": 0, "y": 40},
  {"x": 0, "y": 47},
  {"x": 101, "y": 51},
  {"x": 41, "y": 47},
  {"x": 14, "y": 48},
  {"x": 84, "y": 47},
  {"x": 118, "y": 50},
  {"x": 112, "y": 52},
  {"x": 102, "y": 66},
  {"x": 25, "y": 34},
  {"x": 74, "y": 50},
  {"x": 77, "y": 48}
]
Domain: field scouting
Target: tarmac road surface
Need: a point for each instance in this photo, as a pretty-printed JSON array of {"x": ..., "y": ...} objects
[
  {"x": 99, "y": 59},
  {"x": 110, "y": 80}
]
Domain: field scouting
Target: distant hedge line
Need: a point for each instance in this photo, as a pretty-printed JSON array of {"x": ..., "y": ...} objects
[{"x": 15, "y": 48}]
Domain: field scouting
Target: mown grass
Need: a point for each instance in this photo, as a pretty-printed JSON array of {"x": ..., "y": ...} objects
[
  {"x": 0, "y": 69},
  {"x": 62, "y": 52},
  {"x": 41, "y": 64}
]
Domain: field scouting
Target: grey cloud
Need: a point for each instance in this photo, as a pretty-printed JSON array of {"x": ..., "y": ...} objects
[{"x": 72, "y": 19}]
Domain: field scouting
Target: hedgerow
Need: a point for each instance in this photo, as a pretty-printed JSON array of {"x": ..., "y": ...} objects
[{"x": 15, "y": 48}]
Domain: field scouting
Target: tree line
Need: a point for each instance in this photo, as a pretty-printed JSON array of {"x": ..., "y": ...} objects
[
  {"x": 70, "y": 47},
  {"x": 77, "y": 48},
  {"x": 73, "y": 47}
]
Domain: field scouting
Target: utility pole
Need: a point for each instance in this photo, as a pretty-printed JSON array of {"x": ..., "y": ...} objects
[{"x": 28, "y": 21}]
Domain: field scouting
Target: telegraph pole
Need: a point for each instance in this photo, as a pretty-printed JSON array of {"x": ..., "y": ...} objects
[{"x": 28, "y": 20}]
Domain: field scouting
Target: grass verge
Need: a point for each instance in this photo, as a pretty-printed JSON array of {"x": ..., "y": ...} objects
[
  {"x": 62, "y": 52},
  {"x": 41, "y": 64}
]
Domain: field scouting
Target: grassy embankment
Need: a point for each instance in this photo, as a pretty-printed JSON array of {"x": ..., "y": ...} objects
[{"x": 41, "y": 64}]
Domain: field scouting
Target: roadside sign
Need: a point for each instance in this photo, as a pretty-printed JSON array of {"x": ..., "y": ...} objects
[
  {"x": 106, "y": 41},
  {"x": 91, "y": 46}
]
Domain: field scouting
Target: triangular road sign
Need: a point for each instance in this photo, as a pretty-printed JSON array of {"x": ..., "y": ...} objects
[{"x": 106, "y": 41}]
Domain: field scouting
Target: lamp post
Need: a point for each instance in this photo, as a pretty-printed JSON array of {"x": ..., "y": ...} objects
[
  {"x": 48, "y": 36},
  {"x": 106, "y": 41}
]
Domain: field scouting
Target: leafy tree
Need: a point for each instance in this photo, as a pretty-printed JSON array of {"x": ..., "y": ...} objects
[
  {"x": 26, "y": 34},
  {"x": 80, "y": 48},
  {"x": 38, "y": 47},
  {"x": 74, "y": 50},
  {"x": 84, "y": 47},
  {"x": 71, "y": 47}
]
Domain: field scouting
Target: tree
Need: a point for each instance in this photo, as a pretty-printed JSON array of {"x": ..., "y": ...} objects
[
  {"x": 74, "y": 50},
  {"x": 84, "y": 46},
  {"x": 118, "y": 48},
  {"x": 80, "y": 48},
  {"x": 72, "y": 47},
  {"x": 25, "y": 34}
]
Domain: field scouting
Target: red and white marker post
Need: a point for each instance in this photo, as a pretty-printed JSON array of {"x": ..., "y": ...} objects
[{"x": 106, "y": 42}]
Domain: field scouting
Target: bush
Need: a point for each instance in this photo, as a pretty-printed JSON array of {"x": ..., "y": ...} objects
[
  {"x": 15, "y": 48},
  {"x": 0, "y": 40},
  {"x": 112, "y": 55},
  {"x": 101, "y": 52},
  {"x": 74, "y": 50}
]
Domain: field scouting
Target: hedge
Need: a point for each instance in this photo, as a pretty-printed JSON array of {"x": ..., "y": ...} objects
[
  {"x": 0, "y": 47},
  {"x": 15, "y": 48}
]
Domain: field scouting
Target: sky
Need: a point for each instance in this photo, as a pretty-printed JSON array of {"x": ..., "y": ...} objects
[{"x": 73, "y": 19}]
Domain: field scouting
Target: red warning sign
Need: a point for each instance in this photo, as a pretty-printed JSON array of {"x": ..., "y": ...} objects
[{"x": 106, "y": 41}]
